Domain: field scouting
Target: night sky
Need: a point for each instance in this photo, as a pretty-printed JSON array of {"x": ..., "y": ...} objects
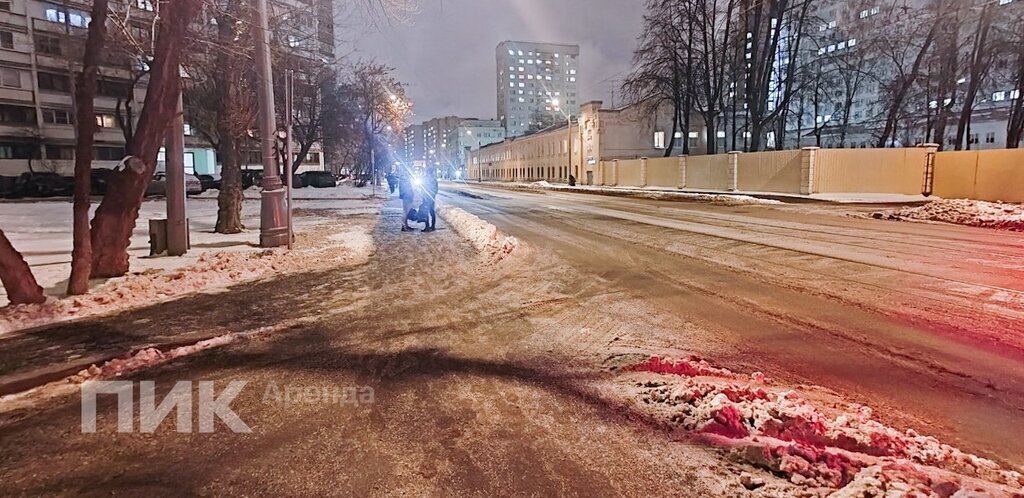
[{"x": 445, "y": 52}]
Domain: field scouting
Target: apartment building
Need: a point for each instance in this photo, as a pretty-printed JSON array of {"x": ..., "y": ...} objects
[
  {"x": 537, "y": 85},
  {"x": 850, "y": 45},
  {"x": 41, "y": 46}
]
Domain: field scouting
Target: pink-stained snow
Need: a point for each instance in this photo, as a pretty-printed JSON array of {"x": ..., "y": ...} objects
[
  {"x": 984, "y": 214},
  {"x": 485, "y": 237},
  {"x": 840, "y": 449},
  {"x": 330, "y": 231}
]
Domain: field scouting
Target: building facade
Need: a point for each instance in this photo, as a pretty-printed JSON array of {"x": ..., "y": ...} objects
[
  {"x": 41, "y": 49},
  {"x": 537, "y": 85},
  {"x": 578, "y": 149}
]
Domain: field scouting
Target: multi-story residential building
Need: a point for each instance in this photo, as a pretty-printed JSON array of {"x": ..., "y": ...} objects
[
  {"x": 537, "y": 85},
  {"x": 850, "y": 50},
  {"x": 414, "y": 145},
  {"x": 471, "y": 135},
  {"x": 41, "y": 46}
]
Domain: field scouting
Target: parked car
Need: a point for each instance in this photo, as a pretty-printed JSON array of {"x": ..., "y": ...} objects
[
  {"x": 251, "y": 177},
  {"x": 297, "y": 181},
  {"x": 46, "y": 184},
  {"x": 209, "y": 182},
  {"x": 319, "y": 179},
  {"x": 99, "y": 179},
  {"x": 10, "y": 187},
  {"x": 158, "y": 185}
]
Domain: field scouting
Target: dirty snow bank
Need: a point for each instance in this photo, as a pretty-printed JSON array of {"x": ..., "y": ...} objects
[
  {"x": 841, "y": 449},
  {"x": 321, "y": 246},
  {"x": 657, "y": 193},
  {"x": 485, "y": 237},
  {"x": 984, "y": 214}
]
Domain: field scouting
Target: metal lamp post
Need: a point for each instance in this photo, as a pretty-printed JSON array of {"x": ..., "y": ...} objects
[{"x": 273, "y": 216}]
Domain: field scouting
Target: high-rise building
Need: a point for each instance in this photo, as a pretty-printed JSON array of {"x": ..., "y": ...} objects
[
  {"x": 414, "y": 151},
  {"x": 537, "y": 85}
]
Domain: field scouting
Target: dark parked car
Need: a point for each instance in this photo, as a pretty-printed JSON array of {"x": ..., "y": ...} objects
[
  {"x": 46, "y": 184},
  {"x": 209, "y": 182},
  {"x": 251, "y": 177},
  {"x": 10, "y": 187},
  {"x": 99, "y": 179},
  {"x": 319, "y": 179},
  {"x": 297, "y": 181},
  {"x": 158, "y": 185}
]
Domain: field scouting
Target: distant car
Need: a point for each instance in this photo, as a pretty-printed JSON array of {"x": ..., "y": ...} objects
[
  {"x": 319, "y": 179},
  {"x": 209, "y": 182},
  {"x": 46, "y": 184},
  {"x": 158, "y": 185}
]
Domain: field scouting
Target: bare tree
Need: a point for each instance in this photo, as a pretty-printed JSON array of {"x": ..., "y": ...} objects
[
  {"x": 16, "y": 275},
  {"x": 1015, "y": 124},
  {"x": 979, "y": 63},
  {"x": 85, "y": 95},
  {"x": 116, "y": 215}
]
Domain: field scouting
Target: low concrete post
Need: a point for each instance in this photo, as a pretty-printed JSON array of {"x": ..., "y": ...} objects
[
  {"x": 734, "y": 170},
  {"x": 808, "y": 158},
  {"x": 682, "y": 171},
  {"x": 643, "y": 172},
  {"x": 615, "y": 173}
]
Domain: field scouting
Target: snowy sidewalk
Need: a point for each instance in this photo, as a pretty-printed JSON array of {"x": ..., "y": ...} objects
[{"x": 333, "y": 229}]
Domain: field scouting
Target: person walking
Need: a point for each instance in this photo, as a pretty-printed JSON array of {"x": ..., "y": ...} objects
[
  {"x": 429, "y": 204},
  {"x": 407, "y": 193}
]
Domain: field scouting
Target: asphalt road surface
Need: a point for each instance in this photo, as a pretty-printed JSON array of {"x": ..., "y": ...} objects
[{"x": 479, "y": 371}]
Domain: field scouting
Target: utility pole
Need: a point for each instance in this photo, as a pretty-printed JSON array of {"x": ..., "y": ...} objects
[
  {"x": 289, "y": 89},
  {"x": 174, "y": 160},
  {"x": 373, "y": 143},
  {"x": 273, "y": 218}
]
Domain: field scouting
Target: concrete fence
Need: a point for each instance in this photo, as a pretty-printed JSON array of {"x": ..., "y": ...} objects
[
  {"x": 984, "y": 175},
  {"x": 877, "y": 171},
  {"x": 992, "y": 175}
]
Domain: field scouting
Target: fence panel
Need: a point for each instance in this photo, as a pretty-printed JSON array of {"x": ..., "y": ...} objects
[
  {"x": 663, "y": 172},
  {"x": 629, "y": 173},
  {"x": 707, "y": 172},
  {"x": 988, "y": 175},
  {"x": 882, "y": 171},
  {"x": 769, "y": 172}
]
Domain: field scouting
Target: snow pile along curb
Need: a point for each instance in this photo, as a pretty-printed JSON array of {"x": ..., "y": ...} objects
[
  {"x": 963, "y": 212},
  {"x": 321, "y": 247},
  {"x": 485, "y": 237},
  {"x": 661, "y": 194},
  {"x": 779, "y": 430}
]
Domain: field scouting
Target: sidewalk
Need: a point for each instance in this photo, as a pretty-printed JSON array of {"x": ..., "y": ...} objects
[
  {"x": 665, "y": 193},
  {"x": 167, "y": 303}
]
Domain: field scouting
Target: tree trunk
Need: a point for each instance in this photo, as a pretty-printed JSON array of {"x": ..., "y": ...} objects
[
  {"x": 230, "y": 198},
  {"x": 16, "y": 275},
  {"x": 115, "y": 218},
  {"x": 85, "y": 94},
  {"x": 228, "y": 83}
]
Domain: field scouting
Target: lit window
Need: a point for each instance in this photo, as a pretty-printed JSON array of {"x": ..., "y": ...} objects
[{"x": 659, "y": 140}]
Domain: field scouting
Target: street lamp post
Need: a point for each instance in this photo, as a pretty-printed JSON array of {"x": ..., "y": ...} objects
[{"x": 273, "y": 218}]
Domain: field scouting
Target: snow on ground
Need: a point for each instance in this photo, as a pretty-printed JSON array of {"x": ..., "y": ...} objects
[
  {"x": 656, "y": 193},
  {"x": 484, "y": 236},
  {"x": 840, "y": 449},
  {"x": 331, "y": 230},
  {"x": 963, "y": 212}
]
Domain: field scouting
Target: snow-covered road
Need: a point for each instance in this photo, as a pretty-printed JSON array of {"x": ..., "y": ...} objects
[{"x": 530, "y": 375}]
